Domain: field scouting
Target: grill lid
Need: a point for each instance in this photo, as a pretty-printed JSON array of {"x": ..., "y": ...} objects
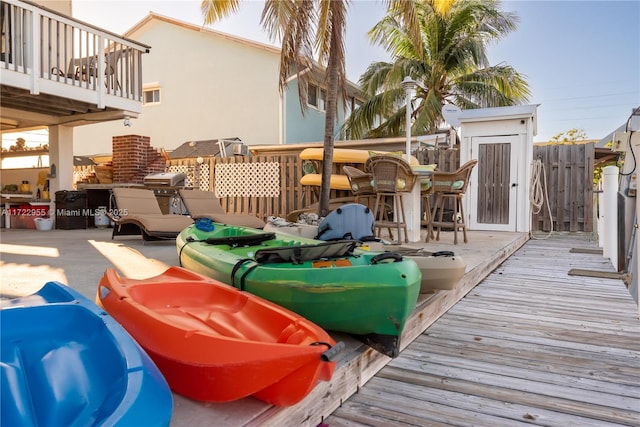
[{"x": 166, "y": 178}]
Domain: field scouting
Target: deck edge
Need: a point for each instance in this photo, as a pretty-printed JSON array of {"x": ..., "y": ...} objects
[{"x": 326, "y": 397}]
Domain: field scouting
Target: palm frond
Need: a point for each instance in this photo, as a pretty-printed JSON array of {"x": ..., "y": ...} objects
[
  {"x": 408, "y": 12},
  {"x": 214, "y": 10},
  {"x": 292, "y": 21},
  {"x": 496, "y": 86},
  {"x": 275, "y": 16},
  {"x": 373, "y": 78},
  {"x": 452, "y": 67}
]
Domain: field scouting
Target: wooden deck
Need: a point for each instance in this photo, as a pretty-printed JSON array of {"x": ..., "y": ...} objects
[
  {"x": 29, "y": 258},
  {"x": 529, "y": 345}
]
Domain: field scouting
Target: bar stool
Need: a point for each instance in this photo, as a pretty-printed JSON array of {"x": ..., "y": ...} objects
[
  {"x": 450, "y": 185},
  {"x": 392, "y": 178},
  {"x": 360, "y": 183}
]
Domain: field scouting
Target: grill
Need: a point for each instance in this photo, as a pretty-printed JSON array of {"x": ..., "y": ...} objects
[
  {"x": 166, "y": 178},
  {"x": 165, "y": 186}
]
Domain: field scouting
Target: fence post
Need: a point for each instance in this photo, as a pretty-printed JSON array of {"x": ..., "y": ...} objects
[
  {"x": 600, "y": 214},
  {"x": 610, "y": 233}
]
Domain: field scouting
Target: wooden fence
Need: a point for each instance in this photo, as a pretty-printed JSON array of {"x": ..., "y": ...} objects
[
  {"x": 568, "y": 170},
  {"x": 292, "y": 195},
  {"x": 203, "y": 176},
  {"x": 569, "y": 179},
  {"x": 447, "y": 160}
]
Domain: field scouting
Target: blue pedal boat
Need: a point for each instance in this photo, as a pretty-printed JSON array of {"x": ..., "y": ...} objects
[{"x": 66, "y": 362}]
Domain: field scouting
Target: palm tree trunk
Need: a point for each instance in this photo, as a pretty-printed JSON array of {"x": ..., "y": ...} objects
[{"x": 331, "y": 108}]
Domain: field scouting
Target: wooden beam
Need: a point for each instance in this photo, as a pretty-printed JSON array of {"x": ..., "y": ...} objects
[
  {"x": 625, "y": 277},
  {"x": 586, "y": 251}
]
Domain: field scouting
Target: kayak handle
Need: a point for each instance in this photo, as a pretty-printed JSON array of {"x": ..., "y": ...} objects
[
  {"x": 330, "y": 355},
  {"x": 443, "y": 253},
  {"x": 242, "y": 240},
  {"x": 395, "y": 256}
]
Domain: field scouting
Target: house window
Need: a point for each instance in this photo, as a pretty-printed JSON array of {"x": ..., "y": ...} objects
[
  {"x": 316, "y": 97},
  {"x": 323, "y": 100},
  {"x": 151, "y": 96},
  {"x": 352, "y": 105},
  {"x": 312, "y": 95}
]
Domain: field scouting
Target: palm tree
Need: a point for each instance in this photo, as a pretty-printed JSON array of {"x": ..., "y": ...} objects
[
  {"x": 450, "y": 66},
  {"x": 308, "y": 27}
]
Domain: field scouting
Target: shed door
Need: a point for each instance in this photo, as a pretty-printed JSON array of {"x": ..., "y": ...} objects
[{"x": 493, "y": 201}]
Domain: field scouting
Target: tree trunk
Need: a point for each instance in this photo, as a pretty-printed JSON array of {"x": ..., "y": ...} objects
[{"x": 329, "y": 128}]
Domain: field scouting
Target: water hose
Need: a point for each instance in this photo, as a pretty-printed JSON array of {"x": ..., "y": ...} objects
[{"x": 538, "y": 195}]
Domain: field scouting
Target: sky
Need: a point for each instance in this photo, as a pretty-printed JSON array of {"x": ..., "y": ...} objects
[{"x": 580, "y": 58}]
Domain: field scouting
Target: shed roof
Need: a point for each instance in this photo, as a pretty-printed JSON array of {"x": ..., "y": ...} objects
[
  {"x": 204, "y": 148},
  {"x": 501, "y": 113},
  {"x": 83, "y": 161},
  {"x": 511, "y": 112}
]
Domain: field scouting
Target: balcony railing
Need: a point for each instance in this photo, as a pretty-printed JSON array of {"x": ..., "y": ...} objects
[{"x": 45, "y": 52}]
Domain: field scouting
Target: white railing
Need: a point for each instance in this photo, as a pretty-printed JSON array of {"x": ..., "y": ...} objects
[{"x": 44, "y": 51}]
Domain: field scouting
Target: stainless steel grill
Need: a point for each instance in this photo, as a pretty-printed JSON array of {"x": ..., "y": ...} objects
[
  {"x": 165, "y": 186},
  {"x": 166, "y": 178}
]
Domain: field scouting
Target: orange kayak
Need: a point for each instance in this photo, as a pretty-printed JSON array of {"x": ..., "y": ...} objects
[{"x": 215, "y": 343}]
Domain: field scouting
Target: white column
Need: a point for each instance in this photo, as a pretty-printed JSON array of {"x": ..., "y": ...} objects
[
  {"x": 413, "y": 212},
  {"x": 61, "y": 155},
  {"x": 411, "y": 200},
  {"x": 610, "y": 233}
]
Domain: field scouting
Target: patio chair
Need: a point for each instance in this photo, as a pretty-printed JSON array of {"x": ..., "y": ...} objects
[
  {"x": 450, "y": 185},
  {"x": 205, "y": 204},
  {"x": 73, "y": 71},
  {"x": 137, "y": 211},
  {"x": 110, "y": 69},
  {"x": 84, "y": 68},
  {"x": 392, "y": 177}
]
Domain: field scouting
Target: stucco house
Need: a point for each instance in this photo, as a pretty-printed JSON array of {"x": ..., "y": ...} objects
[
  {"x": 201, "y": 84},
  {"x": 60, "y": 73}
]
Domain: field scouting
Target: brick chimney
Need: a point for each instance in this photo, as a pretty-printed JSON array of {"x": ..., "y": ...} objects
[{"x": 134, "y": 158}]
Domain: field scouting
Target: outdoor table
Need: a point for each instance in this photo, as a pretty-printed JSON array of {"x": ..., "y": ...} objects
[{"x": 13, "y": 198}]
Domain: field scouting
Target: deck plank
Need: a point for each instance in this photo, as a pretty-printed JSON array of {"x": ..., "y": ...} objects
[{"x": 530, "y": 344}]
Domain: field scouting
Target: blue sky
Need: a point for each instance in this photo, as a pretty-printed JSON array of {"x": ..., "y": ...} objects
[{"x": 581, "y": 58}]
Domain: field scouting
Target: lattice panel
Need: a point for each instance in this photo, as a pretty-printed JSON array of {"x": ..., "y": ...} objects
[
  {"x": 203, "y": 174},
  {"x": 197, "y": 177},
  {"x": 82, "y": 172},
  {"x": 260, "y": 179}
]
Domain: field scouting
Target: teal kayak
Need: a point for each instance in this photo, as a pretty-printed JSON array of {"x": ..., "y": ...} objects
[{"x": 333, "y": 284}]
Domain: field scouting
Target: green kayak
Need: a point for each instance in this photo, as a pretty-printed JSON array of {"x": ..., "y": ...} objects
[{"x": 333, "y": 284}]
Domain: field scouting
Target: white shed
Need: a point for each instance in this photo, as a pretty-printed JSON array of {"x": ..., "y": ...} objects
[{"x": 501, "y": 139}]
